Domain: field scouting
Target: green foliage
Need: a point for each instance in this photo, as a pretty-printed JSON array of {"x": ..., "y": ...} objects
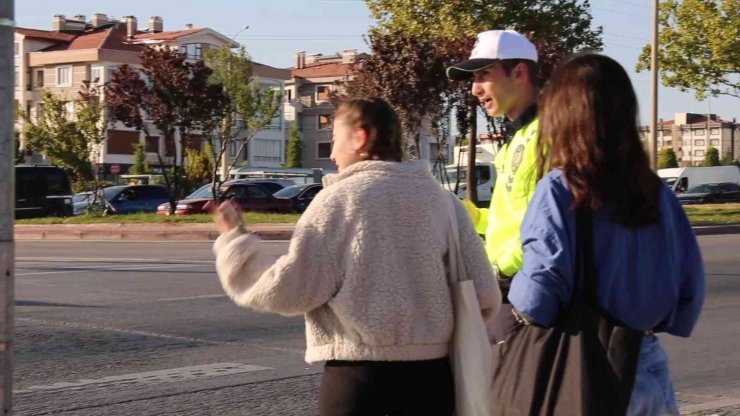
[
  {"x": 294, "y": 157},
  {"x": 699, "y": 47},
  {"x": 667, "y": 158},
  {"x": 68, "y": 141},
  {"x": 250, "y": 106},
  {"x": 727, "y": 160},
  {"x": 198, "y": 166},
  {"x": 557, "y": 27},
  {"x": 711, "y": 158},
  {"x": 140, "y": 166}
]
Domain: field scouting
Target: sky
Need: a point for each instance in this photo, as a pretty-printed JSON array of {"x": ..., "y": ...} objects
[{"x": 277, "y": 29}]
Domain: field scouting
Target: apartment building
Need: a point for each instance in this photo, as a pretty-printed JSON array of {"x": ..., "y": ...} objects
[
  {"x": 691, "y": 135},
  {"x": 78, "y": 50},
  {"x": 314, "y": 77}
]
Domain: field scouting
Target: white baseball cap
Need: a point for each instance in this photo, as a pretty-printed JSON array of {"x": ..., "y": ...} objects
[{"x": 493, "y": 46}]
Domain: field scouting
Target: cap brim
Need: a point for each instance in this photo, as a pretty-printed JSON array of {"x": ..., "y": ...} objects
[{"x": 464, "y": 70}]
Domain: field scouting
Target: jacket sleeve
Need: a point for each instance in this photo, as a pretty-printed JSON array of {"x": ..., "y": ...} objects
[
  {"x": 478, "y": 268},
  {"x": 298, "y": 282},
  {"x": 478, "y": 216},
  {"x": 692, "y": 287}
]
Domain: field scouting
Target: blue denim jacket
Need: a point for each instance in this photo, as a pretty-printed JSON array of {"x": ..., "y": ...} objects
[{"x": 649, "y": 278}]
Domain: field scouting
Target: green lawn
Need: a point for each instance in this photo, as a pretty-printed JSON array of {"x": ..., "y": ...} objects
[
  {"x": 713, "y": 214},
  {"x": 249, "y": 218},
  {"x": 698, "y": 214}
]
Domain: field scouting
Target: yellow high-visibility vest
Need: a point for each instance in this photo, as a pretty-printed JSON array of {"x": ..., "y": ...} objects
[{"x": 516, "y": 166}]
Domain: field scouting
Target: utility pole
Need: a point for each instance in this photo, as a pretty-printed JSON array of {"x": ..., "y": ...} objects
[
  {"x": 7, "y": 202},
  {"x": 653, "y": 141}
]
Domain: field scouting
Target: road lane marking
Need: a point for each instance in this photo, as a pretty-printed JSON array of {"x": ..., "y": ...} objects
[
  {"x": 106, "y": 269},
  {"x": 109, "y": 260},
  {"x": 221, "y": 295},
  {"x": 153, "y": 377}
]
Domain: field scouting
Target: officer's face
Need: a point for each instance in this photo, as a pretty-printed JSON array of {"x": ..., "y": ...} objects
[{"x": 496, "y": 90}]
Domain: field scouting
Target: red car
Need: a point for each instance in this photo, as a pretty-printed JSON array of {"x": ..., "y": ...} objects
[{"x": 250, "y": 197}]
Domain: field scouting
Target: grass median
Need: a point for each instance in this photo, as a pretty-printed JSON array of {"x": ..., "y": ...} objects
[
  {"x": 714, "y": 214},
  {"x": 146, "y": 218}
]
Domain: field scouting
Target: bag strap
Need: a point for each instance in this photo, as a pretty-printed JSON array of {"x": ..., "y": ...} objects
[
  {"x": 456, "y": 267},
  {"x": 585, "y": 282}
]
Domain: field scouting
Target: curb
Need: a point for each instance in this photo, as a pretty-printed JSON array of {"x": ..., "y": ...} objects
[
  {"x": 203, "y": 232},
  {"x": 130, "y": 232},
  {"x": 716, "y": 229}
]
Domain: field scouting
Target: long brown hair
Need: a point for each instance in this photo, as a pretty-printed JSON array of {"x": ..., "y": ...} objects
[{"x": 589, "y": 129}]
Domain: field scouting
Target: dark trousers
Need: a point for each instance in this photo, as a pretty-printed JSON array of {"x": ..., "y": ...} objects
[{"x": 379, "y": 388}]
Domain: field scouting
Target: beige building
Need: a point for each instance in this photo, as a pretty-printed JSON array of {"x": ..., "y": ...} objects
[
  {"x": 313, "y": 79},
  {"x": 691, "y": 135},
  {"x": 78, "y": 50}
]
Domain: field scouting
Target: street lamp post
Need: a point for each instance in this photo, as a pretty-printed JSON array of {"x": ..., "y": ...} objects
[{"x": 653, "y": 142}]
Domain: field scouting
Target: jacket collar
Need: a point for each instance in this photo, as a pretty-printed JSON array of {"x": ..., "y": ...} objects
[
  {"x": 525, "y": 118},
  {"x": 413, "y": 168}
]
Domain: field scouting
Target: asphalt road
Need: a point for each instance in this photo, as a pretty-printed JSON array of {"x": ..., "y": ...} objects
[{"x": 144, "y": 328}]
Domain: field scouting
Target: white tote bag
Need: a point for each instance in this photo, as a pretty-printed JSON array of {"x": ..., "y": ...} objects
[{"x": 470, "y": 350}]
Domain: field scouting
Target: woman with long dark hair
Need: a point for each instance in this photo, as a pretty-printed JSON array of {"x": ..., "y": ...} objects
[{"x": 648, "y": 265}]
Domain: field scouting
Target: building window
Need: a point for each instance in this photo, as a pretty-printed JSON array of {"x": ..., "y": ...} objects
[
  {"x": 17, "y": 80},
  {"x": 39, "y": 78},
  {"x": 700, "y": 142},
  {"x": 152, "y": 144},
  {"x": 17, "y": 48},
  {"x": 714, "y": 142},
  {"x": 323, "y": 150},
  {"x": 121, "y": 142},
  {"x": 699, "y": 153},
  {"x": 699, "y": 132},
  {"x": 266, "y": 150},
  {"x": 64, "y": 75},
  {"x": 96, "y": 75},
  {"x": 232, "y": 149},
  {"x": 192, "y": 51},
  {"x": 714, "y": 132},
  {"x": 324, "y": 122},
  {"x": 668, "y": 143},
  {"x": 322, "y": 93}
]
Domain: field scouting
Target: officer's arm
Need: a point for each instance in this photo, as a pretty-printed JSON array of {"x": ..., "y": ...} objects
[{"x": 479, "y": 216}]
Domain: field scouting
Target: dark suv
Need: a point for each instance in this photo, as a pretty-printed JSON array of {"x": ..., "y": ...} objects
[{"x": 42, "y": 191}]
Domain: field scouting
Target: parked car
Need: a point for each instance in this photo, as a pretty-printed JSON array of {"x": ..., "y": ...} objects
[
  {"x": 80, "y": 202},
  {"x": 711, "y": 193},
  {"x": 134, "y": 198},
  {"x": 250, "y": 196},
  {"x": 300, "y": 195},
  {"x": 272, "y": 185},
  {"x": 42, "y": 191}
]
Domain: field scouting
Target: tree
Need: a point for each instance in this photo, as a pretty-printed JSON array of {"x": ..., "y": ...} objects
[
  {"x": 557, "y": 27},
  {"x": 140, "y": 166},
  {"x": 169, "y": 93},
  {"x": 401, "y": 69},
  {"x": 249, "y": 108},
  {"x": 68, "y": 140},
  {"x": 711, "y": 158},
  {"x": 294, "y": 157},
  {"x": 667, "y": 158},
  {"x": 699, "y": 47},
  {"x": 727, "y": 159},
  {"x": 198, "y": 166}
]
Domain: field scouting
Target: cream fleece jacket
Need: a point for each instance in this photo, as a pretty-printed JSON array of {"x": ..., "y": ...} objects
[{"x": 366, "y": 265}]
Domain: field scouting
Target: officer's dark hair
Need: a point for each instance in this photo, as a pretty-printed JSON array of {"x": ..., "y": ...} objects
[
  {"x": 589, "y": 129},
  {"x": 508, "y": 65}
]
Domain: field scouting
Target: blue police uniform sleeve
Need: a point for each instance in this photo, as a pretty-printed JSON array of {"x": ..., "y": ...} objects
[{"x": 543, "y": 286}]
